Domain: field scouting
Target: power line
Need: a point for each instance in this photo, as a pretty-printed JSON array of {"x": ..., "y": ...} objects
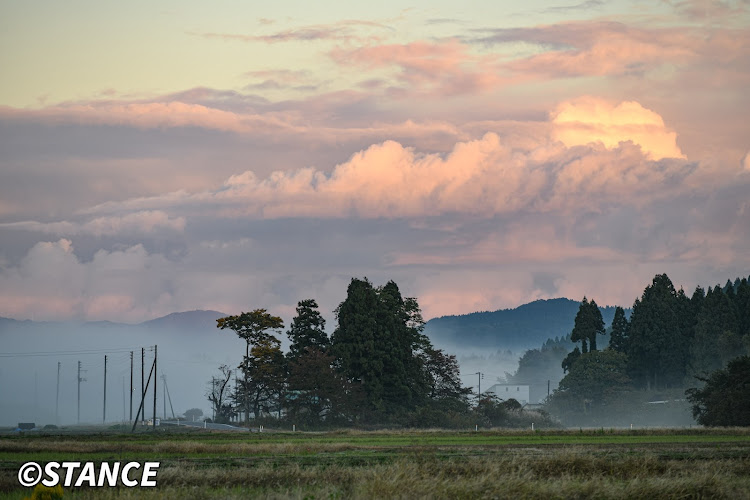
[{"x": 65, "y": 353}]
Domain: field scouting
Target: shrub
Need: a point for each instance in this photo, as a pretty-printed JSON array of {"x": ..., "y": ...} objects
[
  {"x": 725, "y": 399},
  {"x": 42, "y": 492}
]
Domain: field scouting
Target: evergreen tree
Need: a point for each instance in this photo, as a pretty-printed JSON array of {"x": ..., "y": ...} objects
[
  {"x": 655, "y": 358},
  {"x": 716, "y": 334},
  {"x": 396, "y": 342},
  {"x": 619, "y": 338},
  {"x": 378, "y": 342},
  {"x": 678, "y": 362},
  {"x": 307, "y": 330},
  {"x": 354, "y": 341},
  {"x": 696, "y": 302},
  {"x": 595, "y": 323},
  {"x": 588, "y": 324},
  {"x": 742, "y": 306},
  {"x": 580, "y": 329}
]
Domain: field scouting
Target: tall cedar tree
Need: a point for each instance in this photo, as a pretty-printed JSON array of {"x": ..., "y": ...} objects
[
  {"x": 656, "y": 344},
  {"x": 588, "y": 324},
  {"x": 618, "y": 340},
  {"x": 375, "y": 341},
  {"x": 395, "y": 346},
  {"x": 307, "y": 330},
  {"x": 579, "y": 333},
  {"x": 354, "y": 342}
]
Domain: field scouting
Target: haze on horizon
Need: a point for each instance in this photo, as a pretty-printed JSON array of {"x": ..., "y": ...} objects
[{"x": 181, "y": 156}]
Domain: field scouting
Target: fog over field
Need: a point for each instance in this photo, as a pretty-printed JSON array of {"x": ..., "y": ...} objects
[{"x": 190, "y": 352}]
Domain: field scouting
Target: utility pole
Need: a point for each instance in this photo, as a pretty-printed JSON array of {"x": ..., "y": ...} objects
[
  {"x": 79, "y": 390},
  {"x": 143, "y": 385},
  {"x": 104, "y": 407},
  {"x": 131, "y": 387},
  {"x": 480, "y": 376},
  {"x": 164, "y": 393},
  {"x": 57, "y": 397},
  {"x": 155, "y": 384},
  {"x": 169, "y": 397},
  {"x": 142, "y": 406},
  {"x": 123, "y": 400}
]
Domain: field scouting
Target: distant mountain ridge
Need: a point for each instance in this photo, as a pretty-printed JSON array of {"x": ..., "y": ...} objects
[
  {"x": 198, "y": 320},
  {"x": 188, "y": 319},
  {"x": 524, "y": 327}
]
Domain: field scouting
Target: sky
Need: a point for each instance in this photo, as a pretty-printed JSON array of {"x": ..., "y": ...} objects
[{"x": 169, "y": 156}]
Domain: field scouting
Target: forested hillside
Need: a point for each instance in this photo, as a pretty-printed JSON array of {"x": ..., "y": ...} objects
[{"x": 527, "y": 326}]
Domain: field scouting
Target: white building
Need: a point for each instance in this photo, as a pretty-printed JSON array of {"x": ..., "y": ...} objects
[{"x": 510, "y": 391}]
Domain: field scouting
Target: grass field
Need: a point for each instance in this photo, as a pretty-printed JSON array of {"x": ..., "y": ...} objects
[{"x": 684, "y": 463}]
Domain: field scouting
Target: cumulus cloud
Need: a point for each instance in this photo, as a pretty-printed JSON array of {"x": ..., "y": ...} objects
[
  {"x": 590, "y": 119},
  {"x": 52, "y": 283},
  {"x": 537, "y": 199},
  {"x": 608, "y": 155}
]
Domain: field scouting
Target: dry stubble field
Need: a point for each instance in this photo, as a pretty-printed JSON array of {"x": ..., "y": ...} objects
[{"x": 686, "y": 463}]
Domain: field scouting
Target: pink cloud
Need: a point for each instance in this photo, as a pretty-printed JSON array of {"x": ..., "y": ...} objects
[
  {"x": 604, "y": 48},
  {"x": 273, "y": 126},
  {"x": 447, "y": 68},
  {"x": 590, "y": 119},
  {"x": 516, "y": 245},
  {"x": 142, "y": 222},
  {"x": 605, "y": 155}
]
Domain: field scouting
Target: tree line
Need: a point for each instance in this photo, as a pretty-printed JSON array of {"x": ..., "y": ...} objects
[
  {"x": 377, "y": 367},
  {"x": 670, "y": 341}
]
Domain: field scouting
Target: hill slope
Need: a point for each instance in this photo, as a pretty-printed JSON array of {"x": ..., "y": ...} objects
[
  {"x": 524, "y": 327},
  {"x": 188, "y": 320}
]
